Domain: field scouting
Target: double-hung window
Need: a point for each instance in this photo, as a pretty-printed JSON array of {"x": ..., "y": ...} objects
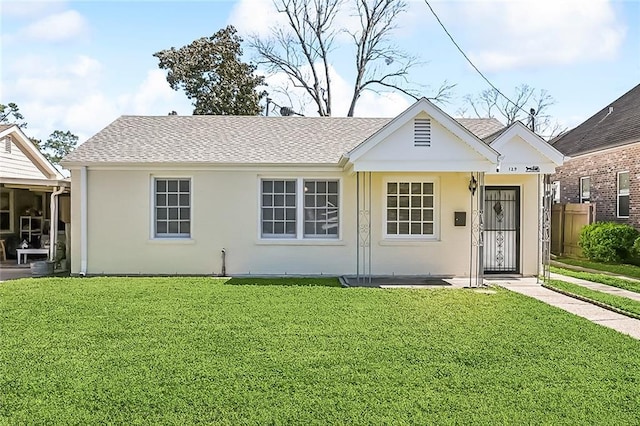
[
  {"x": 410, "y": 209},
  {"x": 299, "y": 208},
  {"x": 172, "y": 207},
  {"x": 623, "y": 194},
  {"x": 585, "y": 189}
]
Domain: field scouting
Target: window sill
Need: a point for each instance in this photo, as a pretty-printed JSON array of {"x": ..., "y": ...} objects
[
  {"x": 408, "y": 241},
  {"x": 171, "y": 241},
  {"x": 291, "y": 242}
]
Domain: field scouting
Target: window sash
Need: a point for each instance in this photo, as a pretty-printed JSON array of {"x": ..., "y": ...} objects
[
  {"x": 278, "y": 207},
  {"x": 585, "y": 189},
  {"x": 410, "y": 209},
  {"x": 6, "y": 207},
  {"x": 321, "y": 208},
  {"x": 172, "y": 207},
  {"x": 622, "y": 208}
]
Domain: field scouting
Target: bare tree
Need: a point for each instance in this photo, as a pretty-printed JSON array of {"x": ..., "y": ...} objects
[
  {"x": 302, "y": 49},
  {"x": 374, "y": 51},
  {"x": 525, "y": 104},
  {"x": 303, "y": 52}
]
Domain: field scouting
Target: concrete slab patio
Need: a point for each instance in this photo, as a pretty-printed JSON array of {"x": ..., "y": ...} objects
[
  {"x": 530, "y": 287},
  {"x": 13, "y": 272}
]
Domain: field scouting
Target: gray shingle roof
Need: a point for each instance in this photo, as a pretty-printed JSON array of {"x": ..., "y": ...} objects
[
  {"x": 4, "y": 127},
  {"x": 236, "y": 139},
  {"x": 605, "y": 130}
]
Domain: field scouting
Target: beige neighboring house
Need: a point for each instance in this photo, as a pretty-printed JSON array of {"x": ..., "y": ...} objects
[
  {"x": 31, "y": 193},
  {"x": 309, "y": 196}
]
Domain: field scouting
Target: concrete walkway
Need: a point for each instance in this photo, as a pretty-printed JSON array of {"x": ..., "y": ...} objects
[
  {"x": 529, "y": 287},
  {"x": 598, "y": 287}
]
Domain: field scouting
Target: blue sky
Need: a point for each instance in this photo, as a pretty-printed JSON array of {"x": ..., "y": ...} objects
[{"x": 79, "y": 65}]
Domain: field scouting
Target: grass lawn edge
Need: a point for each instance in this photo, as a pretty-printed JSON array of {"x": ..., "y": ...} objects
[{"x": 592, "y": 301}]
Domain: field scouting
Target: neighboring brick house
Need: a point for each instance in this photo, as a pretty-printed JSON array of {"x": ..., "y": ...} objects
[{"x": 602, "y": 162}]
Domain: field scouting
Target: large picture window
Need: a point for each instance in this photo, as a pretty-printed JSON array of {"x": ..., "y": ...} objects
[
  {"x": 299, "y": 208},
  {"x": 585, "y": 189},
  {"x": 172, "y": 210},
  {"x": 623, "y": 194},
  {"x": 410, "y": 209}
]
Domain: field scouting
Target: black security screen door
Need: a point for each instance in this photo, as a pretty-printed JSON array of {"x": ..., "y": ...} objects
[{"x": 502, "y": 229}]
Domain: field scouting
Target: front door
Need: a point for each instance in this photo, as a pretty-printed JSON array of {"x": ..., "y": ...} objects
[{"x": 502, "y": 230}]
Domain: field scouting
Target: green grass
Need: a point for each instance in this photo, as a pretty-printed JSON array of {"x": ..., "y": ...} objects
[
  {"x": 189, "y": 350},
  {"x": 600, "y": 278},
  {"x": 628, "y": 270},
  {"x": 619, "y": 302}
]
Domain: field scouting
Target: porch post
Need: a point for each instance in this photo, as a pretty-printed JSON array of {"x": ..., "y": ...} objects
[
  {"x": 53, "y": 222},
  {"x": 363, "y": 223},
  {"x": 358, "y": 227},
  {"x": 544, "y": 228},
  {"x": 476, "y": 249}
]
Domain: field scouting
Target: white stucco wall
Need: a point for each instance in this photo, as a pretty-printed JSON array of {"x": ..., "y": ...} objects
[{"x": 225, "y": 214}]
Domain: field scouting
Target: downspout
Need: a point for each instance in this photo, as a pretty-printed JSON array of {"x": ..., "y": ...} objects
[
  {"x": 83, "y": 221},
  {"x": 53, "y": 223}
]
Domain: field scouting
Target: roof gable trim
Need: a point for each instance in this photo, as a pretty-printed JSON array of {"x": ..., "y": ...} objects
[
  {"x": 535, "y": 141},
  {"x": 423, "y": 105},
  {"x": 31, "y": 151}
]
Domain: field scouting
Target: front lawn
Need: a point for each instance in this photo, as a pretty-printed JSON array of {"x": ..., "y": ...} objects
[{"x": 187, "y": 350}]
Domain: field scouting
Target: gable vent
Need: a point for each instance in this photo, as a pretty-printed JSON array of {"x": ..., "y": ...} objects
[
  {"x": 7, "y": 145},
  {"x": 422, "y": 132}
]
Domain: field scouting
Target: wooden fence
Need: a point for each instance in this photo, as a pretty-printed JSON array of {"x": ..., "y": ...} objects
[{"x": 566, "y": 222}]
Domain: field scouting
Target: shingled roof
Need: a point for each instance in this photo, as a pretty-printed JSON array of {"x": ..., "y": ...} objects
[
  {"x": 236, "y": 139},
  {"x": 615, "y": 125}
]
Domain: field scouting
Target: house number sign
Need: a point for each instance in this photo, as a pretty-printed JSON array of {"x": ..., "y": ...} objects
[{"x": 528, "y": 169}]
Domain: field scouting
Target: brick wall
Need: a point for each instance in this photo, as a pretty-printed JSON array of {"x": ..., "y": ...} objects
[{"x": 603, "y": 168}]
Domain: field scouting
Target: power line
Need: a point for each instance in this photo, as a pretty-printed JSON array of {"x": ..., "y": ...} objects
[{"x": 469, "y": 60}]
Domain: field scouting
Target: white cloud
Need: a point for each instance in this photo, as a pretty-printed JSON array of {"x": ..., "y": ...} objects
[
  {"x": 84, "y": 66},
  {"x": 58, "y": 27},
  {"x": 255, "y": 17},
  {"x": 29, "y": 9},
  {"x": 61, "y": 95},
  {"x": 531, "y": 34},
  {"x": 153, "y": 96}
]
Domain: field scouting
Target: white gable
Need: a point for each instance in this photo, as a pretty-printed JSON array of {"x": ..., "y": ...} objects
[
  {"x": 423, "y": 138},
  {"x": 19, "y": 158},
  {"x": 524, "y": 152}
]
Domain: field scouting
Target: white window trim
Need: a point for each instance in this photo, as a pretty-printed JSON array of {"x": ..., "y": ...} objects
[
  {"x": 436, "y": 208},
  {"x": 11, "y": 211},
  {"x": 581, "y": 198},
  {"x": 556, "y": 191},
  {"x": 152, "y": 207},
  {"x": 618, "y": 194},
  {"x": 299, "y": 238}
]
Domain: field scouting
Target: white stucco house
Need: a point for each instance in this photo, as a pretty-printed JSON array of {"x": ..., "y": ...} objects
[
  {"x": 32, "y": 192},
  {"x": 419, "y": 194}
]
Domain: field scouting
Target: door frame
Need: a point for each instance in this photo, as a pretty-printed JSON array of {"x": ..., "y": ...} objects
[{"x": 518, "y": 229}]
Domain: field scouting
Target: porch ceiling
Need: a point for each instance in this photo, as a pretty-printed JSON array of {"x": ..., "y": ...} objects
[{"x": 45, "y": 185}]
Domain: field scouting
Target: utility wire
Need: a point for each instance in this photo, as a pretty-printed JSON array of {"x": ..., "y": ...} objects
[{"x": 470, "y": 62}]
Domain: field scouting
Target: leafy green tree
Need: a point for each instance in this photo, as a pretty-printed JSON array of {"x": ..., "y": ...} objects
[
  {"x": 57, "y": 146},
  {"x": 10, "y": 114},
  {"x": 210, "y": 72}
]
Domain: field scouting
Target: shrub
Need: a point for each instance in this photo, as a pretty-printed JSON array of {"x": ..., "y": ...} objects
[{"x": 608, "y": 242}]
